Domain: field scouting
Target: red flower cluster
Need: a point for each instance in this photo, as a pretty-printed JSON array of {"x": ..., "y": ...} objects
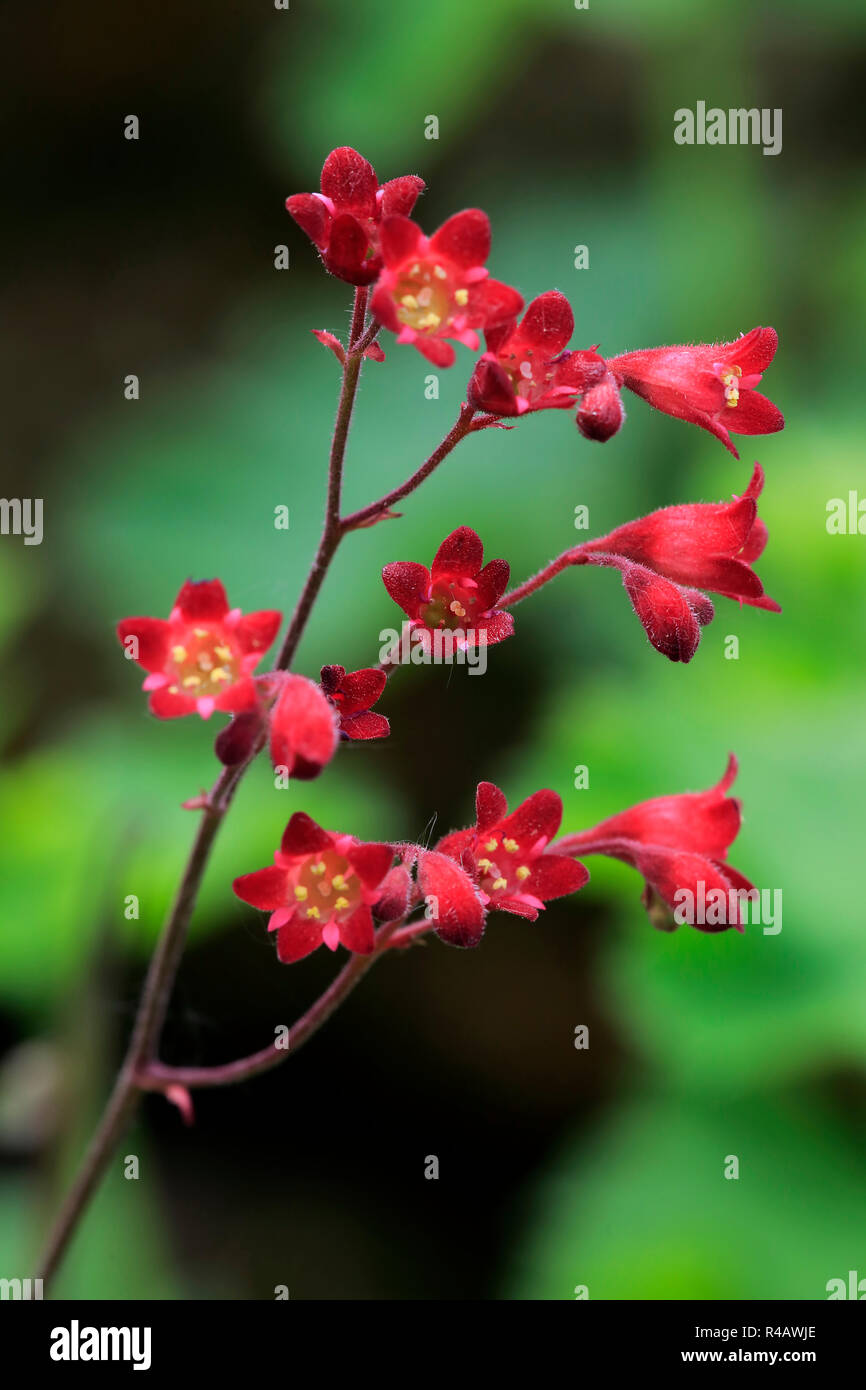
[
  {"x": 667, "y": 557},
  {"x": 457, "y": 594},
  {"x": 436, "y": 288},
  {"x": 201, "y": 657},
  {"x": 679, "y": 844},
  {"x": 344, "y": 220}
]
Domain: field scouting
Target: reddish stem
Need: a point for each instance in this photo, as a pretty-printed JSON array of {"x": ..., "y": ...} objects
[{"x": 529, "y": 586}]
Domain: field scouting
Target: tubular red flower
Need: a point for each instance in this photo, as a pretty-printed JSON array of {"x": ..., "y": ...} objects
[
  {"x": 433, "y": 288},
  {"x": 352, "y": 695},
  {"x": 201, "y": 657},
  {"x": 678, "y": 843},
  {"x": 343, "y": 220},
  {"x": 320, "y": 890},
  {"x": 506, "y": 856},
  {"x": 667, "y": 557},
  {"x": 303, "y": 728},
  {"x": 457, "y": 594},
  {"x": 711, "y": 385}
]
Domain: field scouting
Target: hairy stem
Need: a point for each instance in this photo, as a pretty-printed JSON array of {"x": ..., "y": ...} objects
[{"x": 529, "y": 586}]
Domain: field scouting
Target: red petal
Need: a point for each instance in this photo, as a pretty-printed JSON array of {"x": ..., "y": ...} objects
[
  {"x": 297, "y": 939},
  {"x": 360, "y": 689},
  {"x": 311, "y": 216},
  {"x": 754, "y": 415},
  {"x": 304, "y": 728},
  {"x": 153, "y": 635},
  {"x": 537, "y": 818},
  {"x": 437, "y": 351},
  {"x": 202, "y": 601},
  {"x": 398, "y": 239},
  {"x": 460, "y": 554},
  {"x": 350, "y": 182},
  {"x": 400, "y": 195},
  {"x": 458, "y": 845},
  {"x": 455, "y": 907},
  {"x": 167, "y": 706},
  {"x": 494, "y": 629},
  {"x": 303, "y": 836},
  {"x": 239, "y": 697},
  {"x": 356, "y": 932},
  {"x": 365, "y": 725},
  {"x": 408, "y": 583},
  {"x": 492, "y": 302},
  {"x": 490, "y": 805},
  {"x": 547, "y": 324},
  {"x": 256, "y": 631},
  {"x": 755, "y": 351},
  {"x": 492, "y": 582},
  {"x": 393, "y": 900},
  {"x": 490, "y": 388},
  {"x": 371, "y": 862},
  {"x": 553, "y": 876},
  {"x": 346, "y": 256},
  {"x": 464, "y": 238},
  {"x": 266, "y": 888}
]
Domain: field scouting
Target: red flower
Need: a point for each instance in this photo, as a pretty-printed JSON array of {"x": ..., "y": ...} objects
[
  {"x": 505, "y": 855},
  {"x": 343, "y": 220},
  {"x": 525, "y": 367},
  {"x": 433, "y": 288},
  {"x": 712, "y": 385},
  {"x": 667, "y": 556},
  {"x": 304, "y": 728},
  {"x": 456, "y": 594},
  {"x": 320, "y": 889},
  {"x": 601, "y": 410},
  {"x": 352, "y": 695},
  {"x": 201, "y": 657},
  {"x": 677, "y": 843}
]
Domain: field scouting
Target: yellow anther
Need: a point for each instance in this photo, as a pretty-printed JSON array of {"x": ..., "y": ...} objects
[
  {"x": 430, "y": 320},
  {"x": 485, "y": 865},
  {"x": 301, "y": 893},
  {"x": 312, "y": 912},
  {"x": 491, "y": 845},
  {"x": 510, "y": 845},
  {"x": 523, "y": 872},
  {"x": 178, "y": 654},
  {"x": 173, "y": 690},
  {"x": 219, "y": 674},
  {"x": 457, "y": 609},
  {"x": 192, "y": 680},
  {"x": 340, "y": 904},
  {"x": 440, "y": 273},
  {"x": 317, "y": 869},
  {"x": 500, "y": 883},
  {"x": 409, "y": 301},
  {"x": 201, "y": 632},
  {"x": 462, "y": 297},
  {"x": 338, "y": 881},
  {"x": 224, "y": 653}
]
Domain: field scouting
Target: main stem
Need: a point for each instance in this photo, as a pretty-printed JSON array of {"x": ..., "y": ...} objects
[{"x": 164, "y": 963}]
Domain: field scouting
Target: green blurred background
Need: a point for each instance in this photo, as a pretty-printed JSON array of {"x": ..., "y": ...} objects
[{"x": 558, "y": 1167}]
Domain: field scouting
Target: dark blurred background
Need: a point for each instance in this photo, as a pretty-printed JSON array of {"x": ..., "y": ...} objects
[{"x": 156, "y": 257}]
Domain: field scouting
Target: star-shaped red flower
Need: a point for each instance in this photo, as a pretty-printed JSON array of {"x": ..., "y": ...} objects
[{"x": 457, "y": 594}]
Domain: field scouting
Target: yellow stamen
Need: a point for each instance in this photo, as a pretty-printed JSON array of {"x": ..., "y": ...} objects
[
  {"x": 192, "y": 680},
  {"x": 301, "y": 893},
  {"x": 338, "y": 881},
  {"x": 201, "y": 632},
  {"x": 409, "y": 301},
  {"x": 312, "y": 912},
  {"x": 178, "y": 654},
  {"x": 224, "y": 653},
  {"x": 340, "y": 904},
  {"x": 462, "y": 297},
  {"x": 457, "y": 609},
  {"x": 523, "y": 872},
  {"x": 440, "y": 273},
  {"x": 485, "y": 865},
  {"x": 499, "y": 884},
  {"x": 430, "y": 320},
  {"x": 491, "y": 845},
  {"x": 219, "y": 674},
  {"x": 510, "y": 845},
  {"x": 317, "y": 869}
]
